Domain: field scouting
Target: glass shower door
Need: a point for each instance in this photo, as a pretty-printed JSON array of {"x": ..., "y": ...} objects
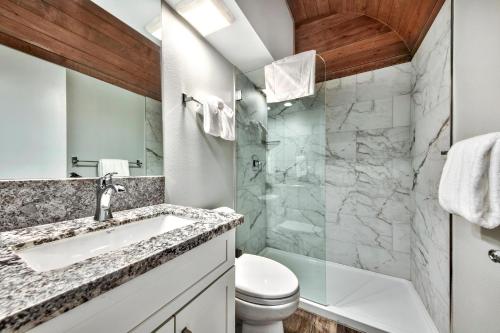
[
  {"x": 295, "y": 187},
  {"x": 281, "y": 172}
]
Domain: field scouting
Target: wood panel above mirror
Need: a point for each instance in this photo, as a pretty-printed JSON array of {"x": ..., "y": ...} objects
[
  {"x": 355, "y": 36},
  {"x": 84, "y": 37}
]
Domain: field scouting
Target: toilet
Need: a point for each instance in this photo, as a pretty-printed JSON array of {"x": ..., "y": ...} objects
[{"x": 267, "y": 292}]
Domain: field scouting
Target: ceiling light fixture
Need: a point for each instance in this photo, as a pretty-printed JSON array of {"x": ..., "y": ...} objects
[
  {"x": 287, "y": 104},
  {"x": 154, "y": 27},
  {"x": 206, "y": 16}
]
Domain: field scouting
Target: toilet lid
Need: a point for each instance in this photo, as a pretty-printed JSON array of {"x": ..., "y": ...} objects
[{"x": 261, "y": 277}]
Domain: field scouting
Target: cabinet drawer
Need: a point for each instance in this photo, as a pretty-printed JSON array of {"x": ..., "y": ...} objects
[
  {"x": 212, "y": 311},
  {"x": 168, "y": 327}
]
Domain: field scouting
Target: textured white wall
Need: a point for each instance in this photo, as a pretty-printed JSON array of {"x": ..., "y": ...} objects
[
  {"x": 32, "y": 117},
  {"x": 199, "y": 169},
  {"x": 475, "y": 292}
]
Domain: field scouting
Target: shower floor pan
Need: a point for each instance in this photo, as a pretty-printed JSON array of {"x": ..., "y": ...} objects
[{"x": 364, "y": 300}]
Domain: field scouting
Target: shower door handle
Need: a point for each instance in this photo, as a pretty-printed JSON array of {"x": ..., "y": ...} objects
[{"x": 494, "y": 256}]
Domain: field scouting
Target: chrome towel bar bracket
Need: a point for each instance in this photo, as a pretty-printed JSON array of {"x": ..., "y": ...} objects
[{"x": 494, "y": 256}]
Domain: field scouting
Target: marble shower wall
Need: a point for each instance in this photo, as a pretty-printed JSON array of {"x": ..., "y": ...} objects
[
  {"x": 296, "y": 176},
  {"x": 368, "y": 170},
  {"x": 154, "y": 138},
  {"x": 251, "y": 121},
  {"x": 430, "y": 128}
]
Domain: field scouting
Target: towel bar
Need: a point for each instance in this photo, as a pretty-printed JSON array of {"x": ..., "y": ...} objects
[
  {"x": 75, "y": 162},
  {"x": 186, "y": 99}
]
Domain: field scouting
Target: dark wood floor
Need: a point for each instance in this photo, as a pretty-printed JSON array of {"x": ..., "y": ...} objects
[{"x": 305, "y": 322}]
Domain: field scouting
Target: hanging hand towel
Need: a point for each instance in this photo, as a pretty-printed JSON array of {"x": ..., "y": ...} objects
[
  {"x": 121, "y": 167},
  {"x": 227, "y": 123},
  {"x": 211, "y": 115},
  {"x": 470, "y": 182},
  {"x": 291, "y": 77}
]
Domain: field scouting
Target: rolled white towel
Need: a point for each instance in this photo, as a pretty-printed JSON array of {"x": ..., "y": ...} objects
[
  {"x": 226, "y": 210},
  {"x": 470, "y": 182}
]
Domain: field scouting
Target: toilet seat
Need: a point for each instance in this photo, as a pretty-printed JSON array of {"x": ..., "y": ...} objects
[
  {"x": 270, "y": 302},
  {"x": 263, "y": 281}
]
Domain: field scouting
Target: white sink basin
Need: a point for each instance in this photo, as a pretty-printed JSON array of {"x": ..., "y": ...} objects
[{"x": 70, "y": 250}]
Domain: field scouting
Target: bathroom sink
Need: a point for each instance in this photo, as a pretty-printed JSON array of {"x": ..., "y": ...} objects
[{"x": 62, "y": 253}]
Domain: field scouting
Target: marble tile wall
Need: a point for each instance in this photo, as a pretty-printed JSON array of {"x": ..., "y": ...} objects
[
  {"x": 251, "y": 121},
  {"x": 296, "y": 176},
  {"x": 26, "y": 203},
  {"x": 154, "y": 138},
  {"x": 430, "y": 129},
  {"x": 368, "y": 170}
]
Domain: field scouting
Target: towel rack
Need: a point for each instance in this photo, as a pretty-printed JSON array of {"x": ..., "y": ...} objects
[
  {"x": 75, "y": 162},
  {"x": 186, "y": 99}
]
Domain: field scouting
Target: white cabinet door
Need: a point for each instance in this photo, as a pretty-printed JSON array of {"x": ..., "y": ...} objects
[
  {"x": 168, "y": 327},
  {"x": 212, "y": 311}
]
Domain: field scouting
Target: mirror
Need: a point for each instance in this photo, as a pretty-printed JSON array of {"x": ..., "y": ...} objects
[{"x": 58, "y": 123}]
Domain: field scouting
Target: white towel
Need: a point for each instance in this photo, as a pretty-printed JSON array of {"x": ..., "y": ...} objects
[
  {"x": 223, "y": 209},
  {"x": 227, "y": 123},
  {"x": 121, "y": 167},
  {"x": 211, "y": 115},
  {"x": 470, "y": 182},
  {"x": 291, "y": 77}
]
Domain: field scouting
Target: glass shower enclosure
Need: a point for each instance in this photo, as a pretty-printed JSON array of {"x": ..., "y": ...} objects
[{"x": 281, "y": 181}]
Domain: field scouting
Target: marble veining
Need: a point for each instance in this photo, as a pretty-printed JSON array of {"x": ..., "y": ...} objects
[
  {"x": 251, "y": 122},
  {"x": 368, "y": 170},
  {"x": 27, "y": 203},
  {"x": 296, "y": 176},
  {"x": 28, "y": 298},
  {"x": 430, "y": 130},
  {"x": 154, "y": 138}
]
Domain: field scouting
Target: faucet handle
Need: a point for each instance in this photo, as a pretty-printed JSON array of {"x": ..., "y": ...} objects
[{"x": 106, "y": 179}]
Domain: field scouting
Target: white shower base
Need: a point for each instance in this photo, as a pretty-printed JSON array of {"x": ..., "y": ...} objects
[{"x": 364, "y": 300}]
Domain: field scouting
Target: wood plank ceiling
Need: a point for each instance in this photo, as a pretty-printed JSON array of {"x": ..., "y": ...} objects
[
  {"x": 354, "y": 36},
  {"x": 80, "y": 35}
]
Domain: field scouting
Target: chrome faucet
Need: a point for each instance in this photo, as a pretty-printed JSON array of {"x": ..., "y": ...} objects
[{"x": 104, "y": 189}]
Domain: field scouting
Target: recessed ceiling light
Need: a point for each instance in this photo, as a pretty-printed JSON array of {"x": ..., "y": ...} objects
[
  {"x": 154, "y": 27},
  {"x": 288, "y": 104},
  {"x": 206, "y": 16},
  {"x": 268, "y": 108}
]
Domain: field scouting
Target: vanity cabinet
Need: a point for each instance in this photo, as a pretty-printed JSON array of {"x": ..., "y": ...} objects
[
  {"x": 194, "y": 291},
  {"x": 168, "y": 327},
  {"x": 208, "y": 312}
]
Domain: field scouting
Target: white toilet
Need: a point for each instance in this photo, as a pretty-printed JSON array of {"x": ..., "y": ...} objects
[{"x": 266, "y": 293}]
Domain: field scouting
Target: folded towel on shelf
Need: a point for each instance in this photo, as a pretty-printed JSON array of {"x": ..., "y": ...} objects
[
  {"x": 291, "y": 77},
  {"x": 470, "y": 182},
  {"x": 105, "y": 166},
  {"x": 211, "y": 115}
]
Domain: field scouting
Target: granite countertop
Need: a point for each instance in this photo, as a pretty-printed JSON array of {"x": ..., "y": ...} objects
[{"x": 28, "y": 298}]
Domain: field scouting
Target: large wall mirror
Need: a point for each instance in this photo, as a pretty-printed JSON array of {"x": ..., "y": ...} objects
[{"x": 56, "y": 122}]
